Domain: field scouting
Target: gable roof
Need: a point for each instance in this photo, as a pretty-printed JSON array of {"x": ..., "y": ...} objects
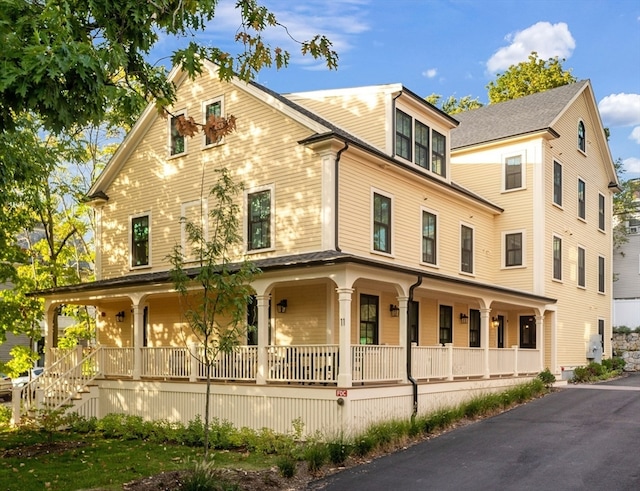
[{"x": 522, "y": 116}]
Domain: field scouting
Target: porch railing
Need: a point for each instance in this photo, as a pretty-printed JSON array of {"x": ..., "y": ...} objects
[
  {"x": 374, "y": 363},
  {"x": 306, "y": 363},
  {"x": 310, "y": 363}
]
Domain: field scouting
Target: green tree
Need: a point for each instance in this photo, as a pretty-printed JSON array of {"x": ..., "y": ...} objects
[
  {"x": 452, "y": 105},
  {"x": 529, "y": 77},
  {"x": 214, "y": 298},
  {"x": 71, "y": 61},
  {"x": 625, "y": 206},
  {"x": 50, "y": 225}
]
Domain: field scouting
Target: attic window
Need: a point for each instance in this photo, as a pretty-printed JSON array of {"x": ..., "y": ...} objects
[
  {"x": 213, "y": 107},
  {"x": 582, "y": 142}
]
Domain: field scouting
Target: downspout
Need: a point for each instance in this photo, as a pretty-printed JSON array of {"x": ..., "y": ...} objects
[
  {"x": 336, "y": 197},
  {"x": 409, "y": 363}
]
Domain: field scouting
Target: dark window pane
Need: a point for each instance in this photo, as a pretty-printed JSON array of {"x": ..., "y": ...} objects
[
  {"x": 140, "y": 241},
  {"x": 438, "y": 153},
  {"x": 259, "y": 220}
]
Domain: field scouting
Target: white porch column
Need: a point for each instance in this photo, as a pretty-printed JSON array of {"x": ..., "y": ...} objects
[
  {"x": 263, "y": 338},
  {"x": 137, "y": 326},
  {"x": 344, "y": 374},
  {"x": 403, "y": 320},
  {"x": 540, "y": 339},
  {"x": 484, "y": 340},
  {"x": 48, "y": 325}
]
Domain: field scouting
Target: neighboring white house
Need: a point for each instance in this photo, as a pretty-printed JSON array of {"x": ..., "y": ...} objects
[{"x": 626, "y": 269}]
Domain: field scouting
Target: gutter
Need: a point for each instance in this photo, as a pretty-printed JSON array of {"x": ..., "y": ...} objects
[
  {"x": 414, "y": 384},
  {"x": 336, "y": 197}
]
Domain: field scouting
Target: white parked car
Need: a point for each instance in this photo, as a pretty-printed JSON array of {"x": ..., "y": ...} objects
[
  {"x": 24, "y": 379},
  {"x": 6, "y": 387}
]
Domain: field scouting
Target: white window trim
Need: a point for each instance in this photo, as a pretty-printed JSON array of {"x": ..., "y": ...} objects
[
  {"x": 523, "y": 169},
  {"x": 586, "y": 142},
  {"x": 562, "y": 193},
  {"x": 375, "y": 191},
  {"x": 182, "y": 112},
  {"x": 130, "y": 240},
  {"x": 433, "y": 212},
  {"x": 473, "y": 247},
  {"x": 504, "y": 249},
  {"x": 562, "y": 258},
  {"x": 183, "y": 230},
  {"x": 272, "y": 211},
  {"x": 578, "y": 247},
  {"x": 586, "y": 203},
  {"x": 604, "y": 263},
  {"x": 219, "y": 99}
]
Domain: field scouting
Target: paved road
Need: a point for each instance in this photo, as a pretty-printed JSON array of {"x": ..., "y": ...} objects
[{"x": 579, "y": 438}]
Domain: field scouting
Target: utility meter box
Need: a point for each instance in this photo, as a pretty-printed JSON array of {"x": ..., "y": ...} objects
[{"x": 594, "y": 350}]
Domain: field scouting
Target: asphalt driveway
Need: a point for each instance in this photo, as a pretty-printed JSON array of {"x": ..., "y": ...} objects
[{"x": 582, "y": 437}]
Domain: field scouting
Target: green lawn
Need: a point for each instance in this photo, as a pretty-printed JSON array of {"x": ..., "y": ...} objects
[{"x": 76, "y": 462}]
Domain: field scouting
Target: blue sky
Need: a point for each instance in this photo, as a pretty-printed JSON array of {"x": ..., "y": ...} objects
[{"x": 456, "y": 47}]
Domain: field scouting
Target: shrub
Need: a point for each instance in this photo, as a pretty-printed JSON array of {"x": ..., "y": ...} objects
[
  {"x": 363, "y": 445},
  {"x": 286, "y": 465},
  {"x": 547, "y": 378},
  {"x": 339, "y": 450},
  {"x": 204, "y": 478},
  {"x": 316, "y": 455},
  {"x": 5, "y": 416}
]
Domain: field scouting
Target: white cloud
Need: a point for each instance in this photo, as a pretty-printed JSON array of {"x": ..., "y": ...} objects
[
  {"x": 548, "y": 40},
  {"x": 620, "y": 109},
  {"x": 635, "y": 135},
  {"x": 632, "y": 165},
  {"x": 430, "y": 73}
]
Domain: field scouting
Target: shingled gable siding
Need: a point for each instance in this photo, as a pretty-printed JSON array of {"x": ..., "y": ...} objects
[
  {"x": 361, "y": 113},
  {"x": 262, "y": 151},
  {"x": 409, "y": 195}
]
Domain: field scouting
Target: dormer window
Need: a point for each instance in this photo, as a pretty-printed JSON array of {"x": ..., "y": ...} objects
[
  {"x": 582, "y": 139},
  {"x": 420, "y": 144}
]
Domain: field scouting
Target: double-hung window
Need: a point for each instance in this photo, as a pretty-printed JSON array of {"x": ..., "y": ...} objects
[
  {"x": 446, "y": 324},
  {"x": 601, "y": 274},
  {"x": 601, "y": 212},
  {"x": 381, "y": 223},
  {"x": 557, "y": 183},
  {"x": 513, "y": 172},
  {"x": 582, "y": 282},
  {"x": 140, "y": 239},
  {"x": 557, "y": 258},
  {"x": 212, "y": 109},
  {"x": 438, "y": 154},
  {"x": 429, "y": 237},
  {"x": 420, "y": 144},
  {"x": 369, "y": 312},
  {"x": 466, "y": 249},
  {"x": 259, "y": 220},
  {"x": 403, "y": 134},
  {"x": 177, "y": 142},
  {"x": 582, "y": 137},
  {"x": 513, "y": 249},
  {"x": 582, "y": 199}
]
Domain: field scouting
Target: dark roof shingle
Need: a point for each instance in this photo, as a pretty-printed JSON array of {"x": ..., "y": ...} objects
[{"x": 515, "y": 117}]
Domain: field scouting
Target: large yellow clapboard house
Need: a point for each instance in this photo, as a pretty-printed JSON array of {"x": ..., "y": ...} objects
[{"x": 409, "y": 259}]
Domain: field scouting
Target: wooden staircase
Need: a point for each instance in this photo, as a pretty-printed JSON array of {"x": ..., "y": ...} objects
[{"x": 61, "y": 386}]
